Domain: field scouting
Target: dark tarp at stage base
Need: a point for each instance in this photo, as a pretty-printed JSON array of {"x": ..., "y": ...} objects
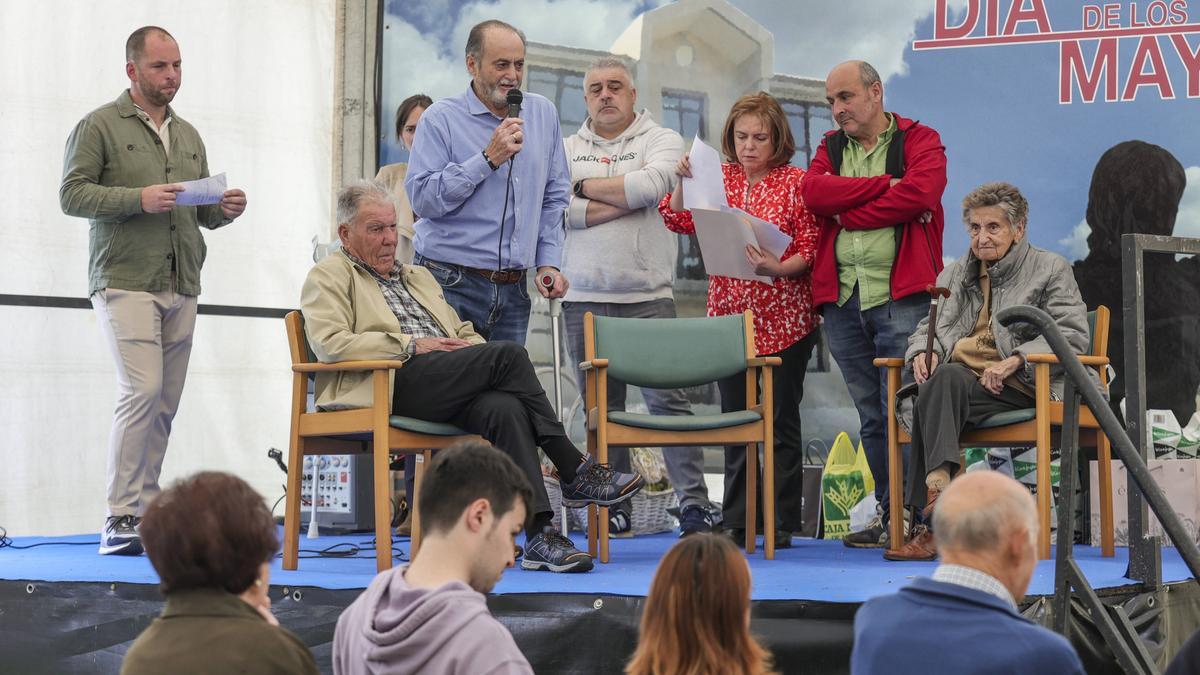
[{"x": 86, "y": 627}]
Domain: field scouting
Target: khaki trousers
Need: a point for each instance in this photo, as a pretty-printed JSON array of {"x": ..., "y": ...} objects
[{"x": 150, "y": 338}]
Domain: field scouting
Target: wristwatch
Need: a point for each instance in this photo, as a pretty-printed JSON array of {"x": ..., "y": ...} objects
[{"x": 578, "y": 188}]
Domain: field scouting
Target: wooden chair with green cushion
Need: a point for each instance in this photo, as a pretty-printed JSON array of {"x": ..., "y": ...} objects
[
  {"x": 1039, "y": 426},
  {"x": 671, "y": 354},
  {"x": 341, "y": 432}
]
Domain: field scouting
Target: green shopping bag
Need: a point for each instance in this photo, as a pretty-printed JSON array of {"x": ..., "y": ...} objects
[{"x": 846, "y": 481}]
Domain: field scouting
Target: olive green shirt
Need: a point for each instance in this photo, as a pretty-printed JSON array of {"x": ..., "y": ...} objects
[
  {"x": 212, "y": 631},
  {"x": 110, "y": 156},
  {"x": 865, "y": 257}
]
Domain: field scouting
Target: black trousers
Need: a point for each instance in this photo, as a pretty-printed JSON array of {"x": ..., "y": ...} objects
[
  {"x": 948, "y": 403},
  {"x": 490, "y": 390},
  {"x": 788, "y": 391}
]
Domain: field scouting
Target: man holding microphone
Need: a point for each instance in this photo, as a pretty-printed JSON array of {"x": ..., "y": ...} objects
[{"x": 490, "y": 189}]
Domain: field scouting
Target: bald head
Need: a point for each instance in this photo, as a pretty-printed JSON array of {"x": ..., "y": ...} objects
[
  {"x": 855, "y": 94},
  {"x": 979, "y": 509}
]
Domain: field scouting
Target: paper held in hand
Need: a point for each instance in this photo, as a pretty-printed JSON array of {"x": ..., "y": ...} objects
[
  {"x": 722, "y": 230},
  {"x": 204, "y": 191}
]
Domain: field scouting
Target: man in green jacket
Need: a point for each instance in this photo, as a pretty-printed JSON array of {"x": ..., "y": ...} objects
[{"x": 122, "y": 168}]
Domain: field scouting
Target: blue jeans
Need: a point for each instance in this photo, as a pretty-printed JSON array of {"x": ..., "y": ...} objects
[
  {"x": 497, "y": 311},
  {"x": 855, "y": 339}
]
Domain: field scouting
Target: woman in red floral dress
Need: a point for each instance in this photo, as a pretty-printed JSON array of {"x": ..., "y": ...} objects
[{"x": 762, "y": 183}]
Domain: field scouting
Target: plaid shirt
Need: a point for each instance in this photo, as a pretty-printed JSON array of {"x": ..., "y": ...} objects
[
  {"x": 973, "y": 578},
  {"x": 414, "y": 319}
]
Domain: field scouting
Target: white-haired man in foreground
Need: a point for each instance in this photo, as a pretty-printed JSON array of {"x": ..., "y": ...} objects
[{"x": 965, "y": 619}]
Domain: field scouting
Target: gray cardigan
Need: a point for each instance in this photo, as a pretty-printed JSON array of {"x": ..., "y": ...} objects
[{"x": 1026, "y": 276}]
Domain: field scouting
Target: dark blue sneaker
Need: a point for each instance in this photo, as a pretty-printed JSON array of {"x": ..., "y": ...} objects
[
  {"x": 619, "y": 522},
  {"x": 598, "y": 484},
  {"x": 120, "y": 536},
  {"x": 552, "y": 551},
  {"x": 694, "y": 520}
]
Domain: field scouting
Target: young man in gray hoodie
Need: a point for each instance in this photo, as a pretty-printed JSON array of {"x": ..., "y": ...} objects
[
  {"x": 430, "y": 616},
  {"x": 621, "y": 258}
]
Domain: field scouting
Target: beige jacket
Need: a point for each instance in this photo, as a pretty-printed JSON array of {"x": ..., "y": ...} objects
[
  {"x": 346, "y": 318},
  {"x": 392, "y": 175}
]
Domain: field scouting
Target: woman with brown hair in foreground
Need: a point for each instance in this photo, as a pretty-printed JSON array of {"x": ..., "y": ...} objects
[{"x": 697, "y": 616}]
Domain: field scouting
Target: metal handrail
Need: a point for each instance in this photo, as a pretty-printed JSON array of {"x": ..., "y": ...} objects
[{"x": 1124, "y": 447}]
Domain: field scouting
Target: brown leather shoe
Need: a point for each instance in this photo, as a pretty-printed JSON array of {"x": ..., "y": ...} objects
[
  {"x": 920, "y": 547},
  {"x": 931, "y": 496}
]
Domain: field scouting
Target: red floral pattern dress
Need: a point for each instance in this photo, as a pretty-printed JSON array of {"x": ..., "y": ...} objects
[{"x": 783, "y": 310}]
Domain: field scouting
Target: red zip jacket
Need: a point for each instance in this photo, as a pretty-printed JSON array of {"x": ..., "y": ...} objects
[{"x": 869, "y": 203}]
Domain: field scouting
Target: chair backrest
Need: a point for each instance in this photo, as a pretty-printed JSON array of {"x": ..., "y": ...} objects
[
  {"x": 1098, "y": 320},
  {"x": 298, "y": 346},
  {"x": 673, "y": 353}
]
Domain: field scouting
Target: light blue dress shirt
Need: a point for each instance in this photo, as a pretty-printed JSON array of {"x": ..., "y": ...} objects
[{"x": 459, "y": 198}]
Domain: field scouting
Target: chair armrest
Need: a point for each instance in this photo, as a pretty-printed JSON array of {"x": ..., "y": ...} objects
[
  {"x": 1085, "y": 359},
  {"x": 888, "y": 363},
  {"x": 346, "y": 366},
  {"x": 594, "y": 363},
  {"x": 764, "y": 361}
]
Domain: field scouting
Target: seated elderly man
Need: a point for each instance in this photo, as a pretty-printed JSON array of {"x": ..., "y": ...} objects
[
  {"x": 360, "y": 303},
  {"x": 983, "y": 368},
  {"x": 967, "y": 613}
]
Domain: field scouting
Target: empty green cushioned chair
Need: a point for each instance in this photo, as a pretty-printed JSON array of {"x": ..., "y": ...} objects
[
  {"x": 670, "y": 354},
  {"x": 341, "y": 432},
  {"x": 1038, "y": 426}
]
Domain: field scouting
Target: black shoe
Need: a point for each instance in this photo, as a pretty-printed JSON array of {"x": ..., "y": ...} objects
[
  {"x": 552, "y": 551},
  {"x": 619, "y": 523},
  {"x": 598, "y": 484},
  {"x": 783, "y": 539},
  {"x": 120, "y": 536},
  {"x": 694, "y": 520},
  {"x": 738, "y": 535}
]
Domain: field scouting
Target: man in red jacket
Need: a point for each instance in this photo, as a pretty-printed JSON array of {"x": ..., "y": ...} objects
[{"x": 876, "y": 186}]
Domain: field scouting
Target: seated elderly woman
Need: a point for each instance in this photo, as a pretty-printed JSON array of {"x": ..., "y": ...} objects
[
  {"x": 983, "y": 369},
  {"x": 210, "y": 537}
]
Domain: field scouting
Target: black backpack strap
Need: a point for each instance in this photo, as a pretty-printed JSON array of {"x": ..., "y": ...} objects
[
  {"x": 894, "y": 164},
  {"x": 835, "y": 144}
]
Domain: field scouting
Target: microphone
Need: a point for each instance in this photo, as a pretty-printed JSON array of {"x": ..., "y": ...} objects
[{"x": 514, "y": 98}]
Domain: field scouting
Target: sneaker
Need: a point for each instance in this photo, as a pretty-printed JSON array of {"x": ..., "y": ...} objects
[
  {"x": 619, "y": 524},
  {"x": 875, "y": 535},
  {"x": 599, "y": 484},
  {"x": 552, "y": 551},
  {"x": 694, "y": 520},
  {"x": 120, "y": 536},
  {"x": 783, "y": 539}
]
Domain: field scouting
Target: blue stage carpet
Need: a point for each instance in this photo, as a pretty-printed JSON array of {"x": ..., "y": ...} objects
[{"x": 816, "y": 570}]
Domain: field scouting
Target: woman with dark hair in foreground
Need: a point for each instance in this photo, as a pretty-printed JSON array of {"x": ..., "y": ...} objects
[{"x": 211, "y": 538}]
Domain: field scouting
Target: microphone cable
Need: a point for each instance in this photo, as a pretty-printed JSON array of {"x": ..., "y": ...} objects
[{"x": 504, "y": 215}]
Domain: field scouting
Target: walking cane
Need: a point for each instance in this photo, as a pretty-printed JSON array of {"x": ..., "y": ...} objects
[
  {"x": 937, "y": 294},
  {"x": 547, "y": 282}
]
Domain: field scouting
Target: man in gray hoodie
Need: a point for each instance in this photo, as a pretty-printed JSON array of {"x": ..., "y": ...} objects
[
  {"x": 621, "y": 258},
  {"x": 430, "y": 616}
]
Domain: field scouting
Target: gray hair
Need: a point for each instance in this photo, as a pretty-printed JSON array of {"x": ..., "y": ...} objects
[
  {"x": 354, "y": 195},
  {"x": 606, "y": 62},
  {"x": 1005, "y": 195},
  {"x": 868, "y": 74},
  {"x": 984, "y": 528},
  {"x": 475, "y": 37}
]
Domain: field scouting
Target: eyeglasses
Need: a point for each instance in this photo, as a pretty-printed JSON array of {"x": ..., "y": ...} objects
[{"x": 992, "y": 228}]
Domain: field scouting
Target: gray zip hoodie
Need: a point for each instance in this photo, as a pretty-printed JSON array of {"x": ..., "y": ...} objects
[
  {"x": 394, "y": 628},
  {"x": 632, "y": 258}
]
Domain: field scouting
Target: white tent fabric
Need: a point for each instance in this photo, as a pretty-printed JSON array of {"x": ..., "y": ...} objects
[{"x": 257, "y": 83}]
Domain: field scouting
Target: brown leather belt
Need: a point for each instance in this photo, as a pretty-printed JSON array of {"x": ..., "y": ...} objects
[{"x": 497, "y": 276}]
